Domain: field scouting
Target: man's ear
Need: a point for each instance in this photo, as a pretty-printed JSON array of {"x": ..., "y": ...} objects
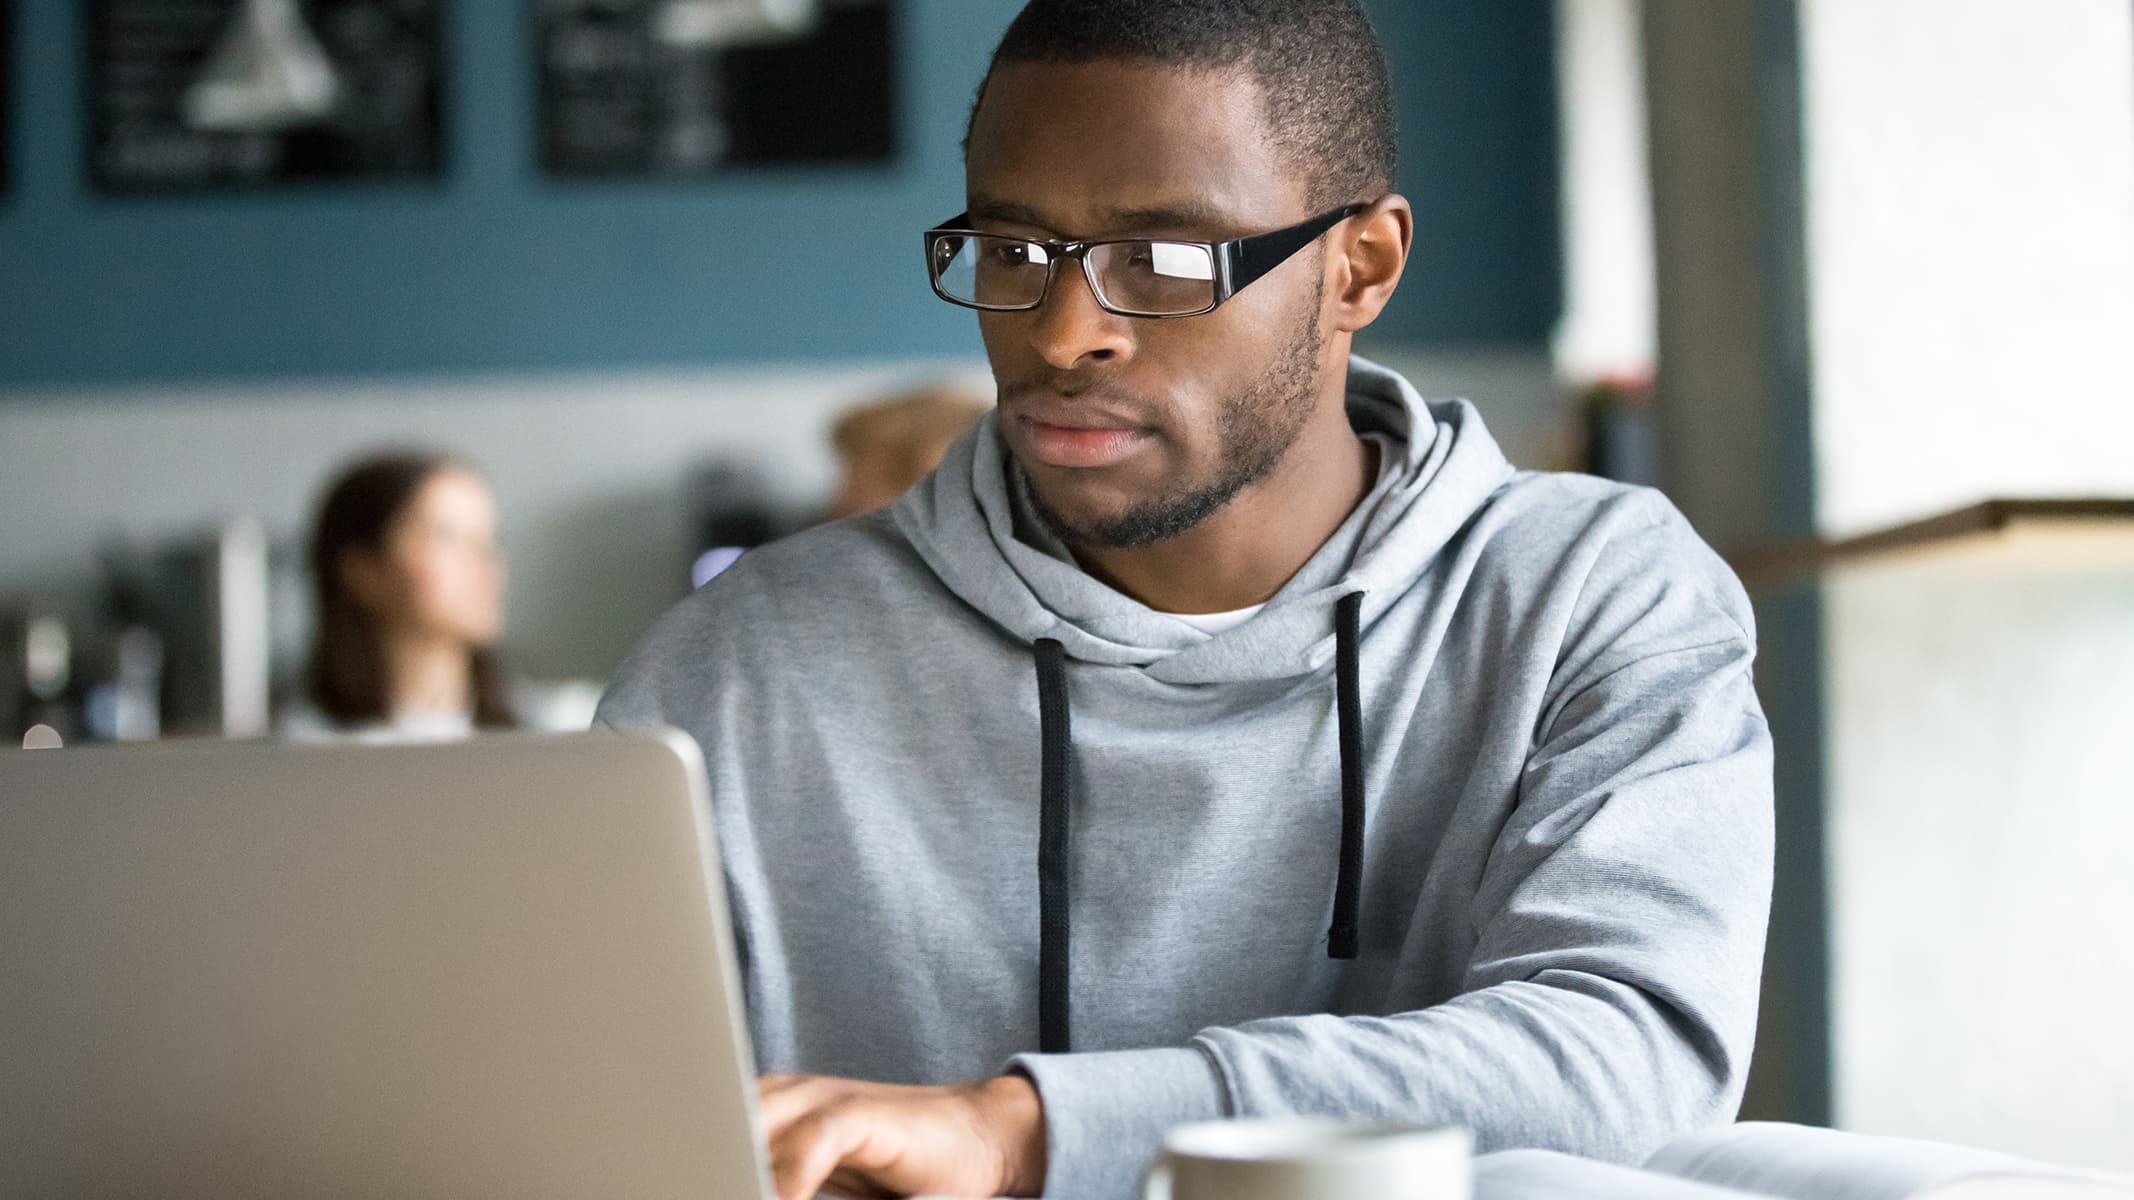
[{"x": 1365, "y": 260}]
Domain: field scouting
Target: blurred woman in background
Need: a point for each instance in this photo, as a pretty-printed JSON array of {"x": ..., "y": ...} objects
[{"x": 410, "y": 588}]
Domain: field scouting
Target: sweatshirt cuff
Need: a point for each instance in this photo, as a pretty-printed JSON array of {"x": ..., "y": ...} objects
[{"x": 1106, "y": 1113}]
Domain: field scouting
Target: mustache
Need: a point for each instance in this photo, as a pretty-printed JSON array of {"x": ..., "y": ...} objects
[{"x": 1105, "y": 397}]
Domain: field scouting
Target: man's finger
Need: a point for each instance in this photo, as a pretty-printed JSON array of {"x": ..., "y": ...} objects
[
  {"x": 784, "y": 1099},
  {"x": 805, "y": 1154},
  {"x": 845, "y": 1181}
]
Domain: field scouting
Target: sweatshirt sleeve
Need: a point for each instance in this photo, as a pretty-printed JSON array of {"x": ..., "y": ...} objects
[{"x": 1609, "y": 1005}]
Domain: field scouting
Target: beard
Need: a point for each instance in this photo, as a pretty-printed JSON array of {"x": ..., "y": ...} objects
[{"x": 1255, "y": 428}]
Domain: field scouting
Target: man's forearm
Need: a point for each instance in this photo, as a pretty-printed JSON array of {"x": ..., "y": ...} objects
[{"x": 1578, "y": 1064}]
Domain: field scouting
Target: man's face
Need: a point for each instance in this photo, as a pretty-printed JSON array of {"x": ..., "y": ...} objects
[{"x": 1132, "y": 430}]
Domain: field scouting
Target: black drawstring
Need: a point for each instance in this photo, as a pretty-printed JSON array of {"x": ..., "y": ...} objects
[
  {"x": 1053, "y": 932},
  {"x": 1348, "y": 707},
  {"x": 1055, "y": 734}
]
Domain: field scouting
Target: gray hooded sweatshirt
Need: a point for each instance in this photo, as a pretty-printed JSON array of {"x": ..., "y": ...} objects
[{"x": 1470, "y": 823}]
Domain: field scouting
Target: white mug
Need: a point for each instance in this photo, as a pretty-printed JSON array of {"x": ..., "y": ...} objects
[{"x": 1311, "y": 1158}]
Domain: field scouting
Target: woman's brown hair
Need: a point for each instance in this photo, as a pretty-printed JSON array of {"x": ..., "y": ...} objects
[{"x": 348, "y": 682}]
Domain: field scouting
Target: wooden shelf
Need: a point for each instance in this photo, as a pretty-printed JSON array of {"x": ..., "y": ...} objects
[{"x": 2002, "y": 535}]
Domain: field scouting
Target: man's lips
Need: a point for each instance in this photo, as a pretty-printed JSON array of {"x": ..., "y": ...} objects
[
  {"x": 1077, "y": 443},
  {"x": 1088, "y": 428}
]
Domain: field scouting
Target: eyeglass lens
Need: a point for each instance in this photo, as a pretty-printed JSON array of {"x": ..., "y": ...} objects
[{"x": 1137, "y": 276}]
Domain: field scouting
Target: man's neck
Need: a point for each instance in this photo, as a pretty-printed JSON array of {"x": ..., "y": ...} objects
[{"x": 1243, "y": 553}]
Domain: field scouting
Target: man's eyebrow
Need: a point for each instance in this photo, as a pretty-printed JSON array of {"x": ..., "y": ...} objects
[
  {"x": 1166, "y": 217},
  {"x": 1116, "y": 222},
  {"x": 1007, "y": 214}
]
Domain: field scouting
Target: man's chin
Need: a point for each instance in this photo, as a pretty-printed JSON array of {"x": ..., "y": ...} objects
[
  {"x": 1130, "y": 525},
  {"x": 1064, "y": 505},
  {"x": 1071, "y": 517}
]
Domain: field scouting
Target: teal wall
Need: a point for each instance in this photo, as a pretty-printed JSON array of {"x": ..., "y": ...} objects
[{"x": 494, "y": 266}]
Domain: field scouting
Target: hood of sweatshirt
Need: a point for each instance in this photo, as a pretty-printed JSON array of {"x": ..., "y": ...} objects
[
  {"x": 963, "y": 524},
  {"x": 962, "y": 521}
]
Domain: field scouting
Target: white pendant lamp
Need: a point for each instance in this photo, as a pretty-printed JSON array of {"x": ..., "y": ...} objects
[
  {"x": 268, "y": 73},
  {"x": 706, "y": 24}
]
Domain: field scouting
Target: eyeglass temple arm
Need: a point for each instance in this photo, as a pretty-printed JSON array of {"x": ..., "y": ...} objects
[{"x": 1249, "y": 258}]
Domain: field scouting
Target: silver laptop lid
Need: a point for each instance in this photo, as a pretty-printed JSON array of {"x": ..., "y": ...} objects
[{"x": 501, "y": 968}]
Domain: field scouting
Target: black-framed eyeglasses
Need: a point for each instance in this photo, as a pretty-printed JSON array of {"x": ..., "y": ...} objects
[{"x": 1132, "y": 277}]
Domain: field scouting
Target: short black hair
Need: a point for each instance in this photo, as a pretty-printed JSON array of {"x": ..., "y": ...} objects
[{"x": 1321, "y": 72}]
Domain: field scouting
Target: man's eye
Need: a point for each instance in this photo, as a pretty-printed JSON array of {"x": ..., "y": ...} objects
[{"x": 1018, "y": 254}]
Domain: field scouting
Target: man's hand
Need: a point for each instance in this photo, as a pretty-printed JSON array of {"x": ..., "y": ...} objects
[{"x": 876, "y": 1139}]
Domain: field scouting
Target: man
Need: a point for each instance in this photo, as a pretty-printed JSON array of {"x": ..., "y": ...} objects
[{"x": 1221, "y": 729}]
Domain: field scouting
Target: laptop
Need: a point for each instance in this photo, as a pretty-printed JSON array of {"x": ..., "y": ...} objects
[{"x": 501, "y": 968}]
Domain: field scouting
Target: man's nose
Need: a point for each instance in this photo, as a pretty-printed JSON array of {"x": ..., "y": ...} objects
[{"x": 1070, "y": 327}]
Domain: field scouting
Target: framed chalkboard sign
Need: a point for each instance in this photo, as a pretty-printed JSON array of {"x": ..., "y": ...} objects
[
  {"x": 669, "y": 88},
  {"x": 190, "y": 95},
  {"x": 7, "y": 95}
]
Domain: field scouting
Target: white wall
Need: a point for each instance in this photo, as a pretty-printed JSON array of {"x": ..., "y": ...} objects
[
  {"x": 1982, "y": 783},
  {"x": 589, "y": 470},
  {"x": 1971, "y": 241},
  {"x": 589, "y": 473},
  {"x": 1970, "y": 225}
]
